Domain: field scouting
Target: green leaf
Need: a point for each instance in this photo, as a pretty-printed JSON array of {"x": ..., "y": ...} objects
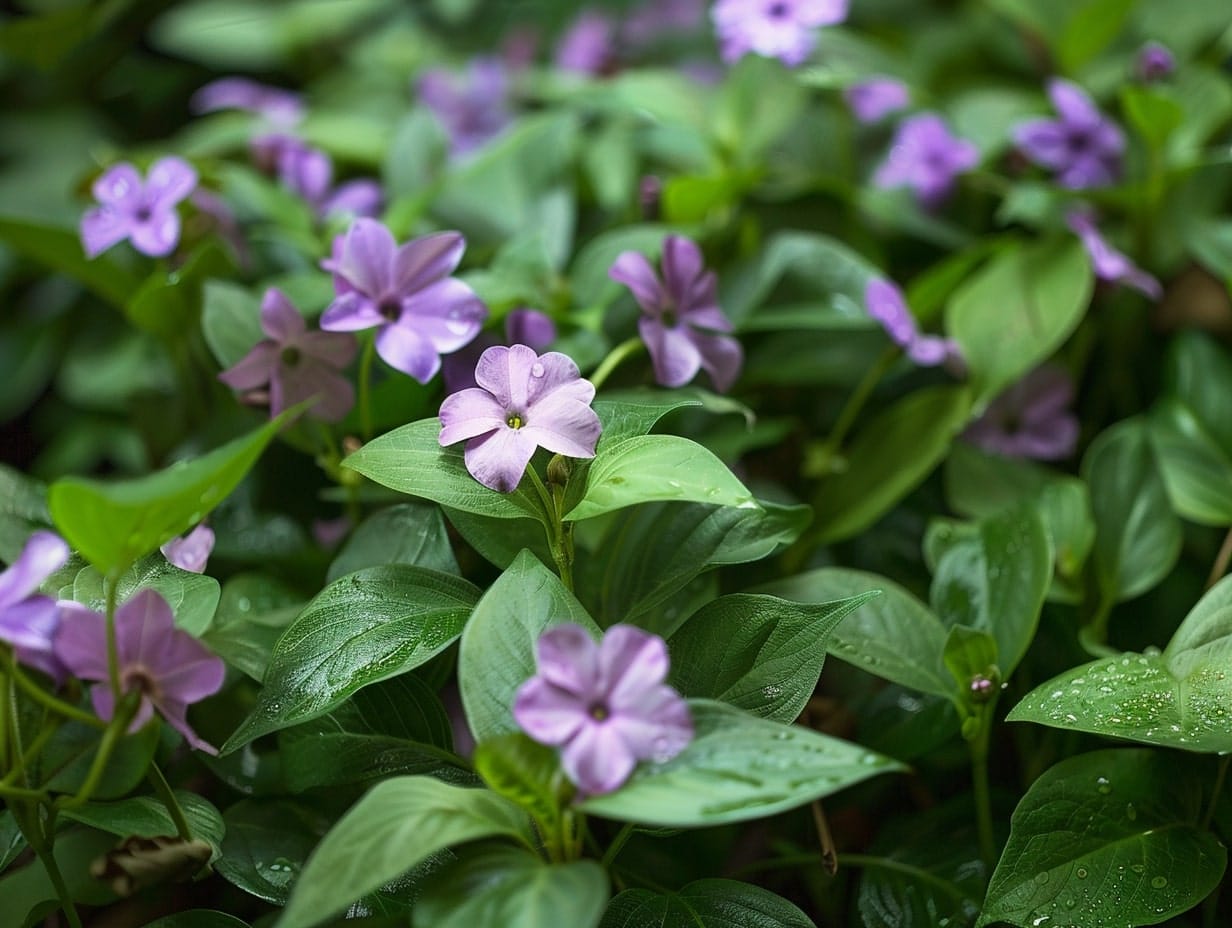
[
  {"x": 704, "y": 904},
  {"x": 1199, "y": 372},
  {"x": 525, "y": 772},
  {"x": 1090, "y": 28},
  {"x": 1137, "y": 539},
  {"x": 742, "y": 122},
  {"x": 411, "y": 460},
  {"x": 1152, "y": 112},
  {"x": 888, "y": 459},
  {"x": 230, "y": 320},
  {"x": 192, "y": 597},
  {"x": 266, "y": 844},
  {"x": 66, "y": 760},
  {"x": 60, "y": 250},
  {"x": 507, "y": 886},
  {"x": 969, "y": 652},
  {"x": 147, "y": 817},
  {"x": 758, "y": 653},
  {"x": 253, "y": 612},
  {"x": 316, "y": 754},
  {"x": 169, "y": 302},
  {"x": 588, "y": 273},
  {"x": 368, "y": 626},
  {"x": 27, "y": 895},
  {"x": 738, "y": 767},
  {"x": 198, "y": 918},
  {"x": 1195, "y": 469},
  {"x": 1017, "y": 310},
  {"x": 1105, "y": 839},
  {"x": 497, "y": 654},
  {"x": 409, "y": 533},
  {"x": 397, "y": 824},
  {"x": 12, "y": 842},
  {"x": 114, "y": 523},
  {"x": 1179, "y": 698},
  {"x": 23, "y": 510},
  {"x": 894, "y": 635},
  {"x": 995, "y": 578}
]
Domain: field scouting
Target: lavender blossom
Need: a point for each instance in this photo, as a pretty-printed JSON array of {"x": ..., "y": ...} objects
[
  {"x": 473, "y": 107},
  {"x": 141, "y": 211},
  {"x": 523, "y": 401},
  {"x": 1031, "y": 419},
  {"x": 420, "y": 312},
  {"x": 874, "y": 99},
  {"x": 886, "y": 304},
  {"x": 782, "y": 29},
  {"x": 29, "y": 621},
  {"x": 588, "y": 45},
  {"x": 1108, "y": 263},
  {"x": 522, "y": 327},
  {"x": 1082, "y": 146},
  {"x": 279, "y": 107},
  {"x": 681, "y": 315},
  {"x": 169, "y": 668},
  {"x": 309, "y": 173},
  {"x": 926, "y": 157},
  {"x": 295, "y": 363},
  {"x": 191, "y": 552},
  {"x": 1154, "y": 63},
  {"x": 605, "y": 704}
]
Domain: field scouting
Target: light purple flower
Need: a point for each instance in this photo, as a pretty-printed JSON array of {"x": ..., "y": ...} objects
[
  {"x": 886, "y": 304},
  {"x": 876, "y": 98},
  {"x": 1155, "y": 62},
  {"x": 191, "y": 552},
  {"x": 29, "y": 621},
  {"x": 282, "y": 108},
  {"x": 1108, "y": 263},
  {"x": 142, "y": 211},
  {"x": 472, "y": 107},
  {"x": 782, "y": 29},
  {"x": 1082, "y": 146},
  {"x": 420, "y": 312},
  {"x": 926, "y": 157},
  {"x": 588, "y": 45},
  {"x": 522, "y": 327},
  {"x": 309, "y": 173},
  {"x": 1031, "y": 419},
  {"x": 605, "y": 704},
  {"x": 295, "y": 363},
  {"x": 681, "y": 316},
  {"x": 169, "y": 668},
  {"x": 523, "y": 401}
]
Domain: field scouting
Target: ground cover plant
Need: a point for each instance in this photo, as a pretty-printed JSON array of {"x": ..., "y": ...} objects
[{"x": 444, "y": 442}]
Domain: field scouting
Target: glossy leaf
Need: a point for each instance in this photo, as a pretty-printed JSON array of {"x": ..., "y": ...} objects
[
  {"x": 1105, "y": 839},
  {"x": 147, "y": 817},
  {"x": 198, "y": 918},
  {"x": 409, "y": 533},
  {"x": 266, "y": 844},
  {"x": 397, "y": 824},
  {"x": 507, "y": 886},
  {"x": 12, "y": 842},
  {"x": 1195, "y": 469},
  {"x": 317, "y": 755},
  {"x": 253, "y": 612},
  {"x": 738, "y": 767},
  {"x": 704, "y": 904},
  {"x": 1199, "y": 374},
  {"x": 230, "y": 321},
  {"x": 523, "y": 771},
  {"x": 497, "y": 654},
  {"x": 368, "y": 626},
  {"x": 114, "y": 523},
  {"x": 67, "y": 758},
  {"x": 758, "y": 653},
  {"x": 192, "y": 597}
]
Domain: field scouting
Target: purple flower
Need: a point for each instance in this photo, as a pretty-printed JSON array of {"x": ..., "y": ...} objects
[
  {"x": 309, "y": 173},
  {"x": 1108, "y": 263},
  {"x": 169, "y": 668},
  {"x": 523, "y": 401},
  {"x": 681, "y": 315},
  {"x": 472, "y": 108},
  {"x": 1155, "y": 62},
  {"x": 282, "y": 108},
  {"x": 1083, "y": 146},
  {"x": 886, "y": 304},
  {"x": 191, "y": 552},
  {"x": 297, "y": 364},
  {"x": 605, "y": 704},
  {"x": 406, "y": 292},
  {"x": 588, "y": 45},
  {"x": 142, "y": 211},
  {"x": 28, "y": 621},
  {"x": 522, "y": 327},
  {"x": 926, "y": 157},
  {"x": 781, "y": 29},
  {"x": 876, "y": 98},
  {"x": 1031, "y": 419}
]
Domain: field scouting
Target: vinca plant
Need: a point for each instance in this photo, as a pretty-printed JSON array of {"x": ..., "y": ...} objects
[{"x": 443, "y": 443}]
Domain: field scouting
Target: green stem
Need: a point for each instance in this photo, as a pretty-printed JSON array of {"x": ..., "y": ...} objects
[
  {"x": 37, "y": 745},
  {"x": 1220, "y": 567},
  {"x": 559, "y": 539},
  {"x": 167, "y": 797},
  {"x": 111, "y": 737},
  {"x": 617, "y": 843},
  {"x": 851, "y": 410},
  {"x": 613, "y": 359},
  {"x": 983, "y": 800},
  {"x": 44, "y": 852},
  {"x": 6, "y": 699},
  {"x": 113, "y": 648},
  {"x": 1219, "y": 779},
  {"x": 59, "y": 706},
  {"x": 17, "y": 792},
  {"x": 365, "y": 387}
]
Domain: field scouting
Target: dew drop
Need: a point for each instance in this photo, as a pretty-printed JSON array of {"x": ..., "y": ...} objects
[
  {"x": 1102, "y": 786},
  {"x": 536, "y": 369},
  {"x": 1081, "y": 873},
  {"x": 1041, "y": 878},
  {"x": 1159, "y": 882}
]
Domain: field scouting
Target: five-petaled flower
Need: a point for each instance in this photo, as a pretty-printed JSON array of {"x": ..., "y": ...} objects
[
  {"x": 191, "y": 552},
  {"x": 142, "y": 211},
  {"x": 297, "y": 364},
  {"x": 926, "y": 157},
  {"x": 472, "y": 107},
  {"x": 681, "y": 321},
  {"x": 523, "y": 326},
  {"x": 523, "y": 401},
  {"x": 1031, "y": 419},
  {"x": 606, "y": 705},
  {"x": 167, "y": 668},
  {"x": 782, "y": 29},
  {"x": 887, "y": 305},
  {"x": 420, "y": 312},
  {"x": 1108, "y": 263},
  {"x": 1083, "y": 146},
  {"x": 29, "y": 621}
]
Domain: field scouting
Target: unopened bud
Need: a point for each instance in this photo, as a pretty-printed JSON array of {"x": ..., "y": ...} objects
[
  {"x": 559, "y": 470},
  {"x": 982, "y": 688}
]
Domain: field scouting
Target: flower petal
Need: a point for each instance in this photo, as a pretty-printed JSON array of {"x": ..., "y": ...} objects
[
  {"x": 104, "y": 707},
  {"x": 547, "y": 713},
  {"x": 254, "y": 369},
  {"x": 404, "y": 349},
  {"x": 555, "y": 376},
  {"x": 568, "y": 658},
  {"x": 492, "y": 373},
  {"x": 350, "y": 312},
  {"x": 631, "y": 661},
  {"x": 170, "y": 180},
  {"x": 280, "y": 320},
  {"x": 191, "y": 552},
  {"x": 157, "y": 236},
  {"x": 119, "y": 185},
  {"x": 498, "y": 460},
  {"x": 360, "y": 197},
  {"x": 675, "y": 358},
  {"x": 176, "y": 714},
  {"x": 722, "y": 358},
  {"x": 81, "y": 642},
  {"x": 334, "y": 394},
  {"x": 529, "y": 327},
  {"x": 447, "y": 313},
  {"x": 144, "y": 624},
  {"x": 103, "y": 227},
  {"x": 564, "y": 426},
  {"x": 367, "y": 260},
  {"x": 30, "y": 627},
  {"x": 1044, "y": 141},
  {"x": 426, "y": 260},
  {"x": 634, "y": 271},
  {"x": 468, "y": 414},
  {"x": 597, "y": 759},
  {"x": 656, "y": 726},
  {"x": 42, "y": 555}
]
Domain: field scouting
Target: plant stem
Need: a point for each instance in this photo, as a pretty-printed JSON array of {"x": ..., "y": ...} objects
[
  {"x": 113, "y": 648},
  {"x": 40, "y": 740},
  {"x": 1220, "y": 567},
  {"x": 48, "y": 858},
  {"x": 365, "y": 387},
  {"x": 560, "y": 539},
  {"x": 983, "y": 801},
  {"x": 1219, "y": 779},
  {"x": 17, "y": 792},
  {"x": 59, "y": 706},
  {"x": 167, "y": 797},
  {"x": 852, "y": 408},
  {"x": 867, "y": 861},
  {"x": 617, "y": 843},
  {"x": 111, "y": 737},
  {"x": 614, "y": 357}
]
